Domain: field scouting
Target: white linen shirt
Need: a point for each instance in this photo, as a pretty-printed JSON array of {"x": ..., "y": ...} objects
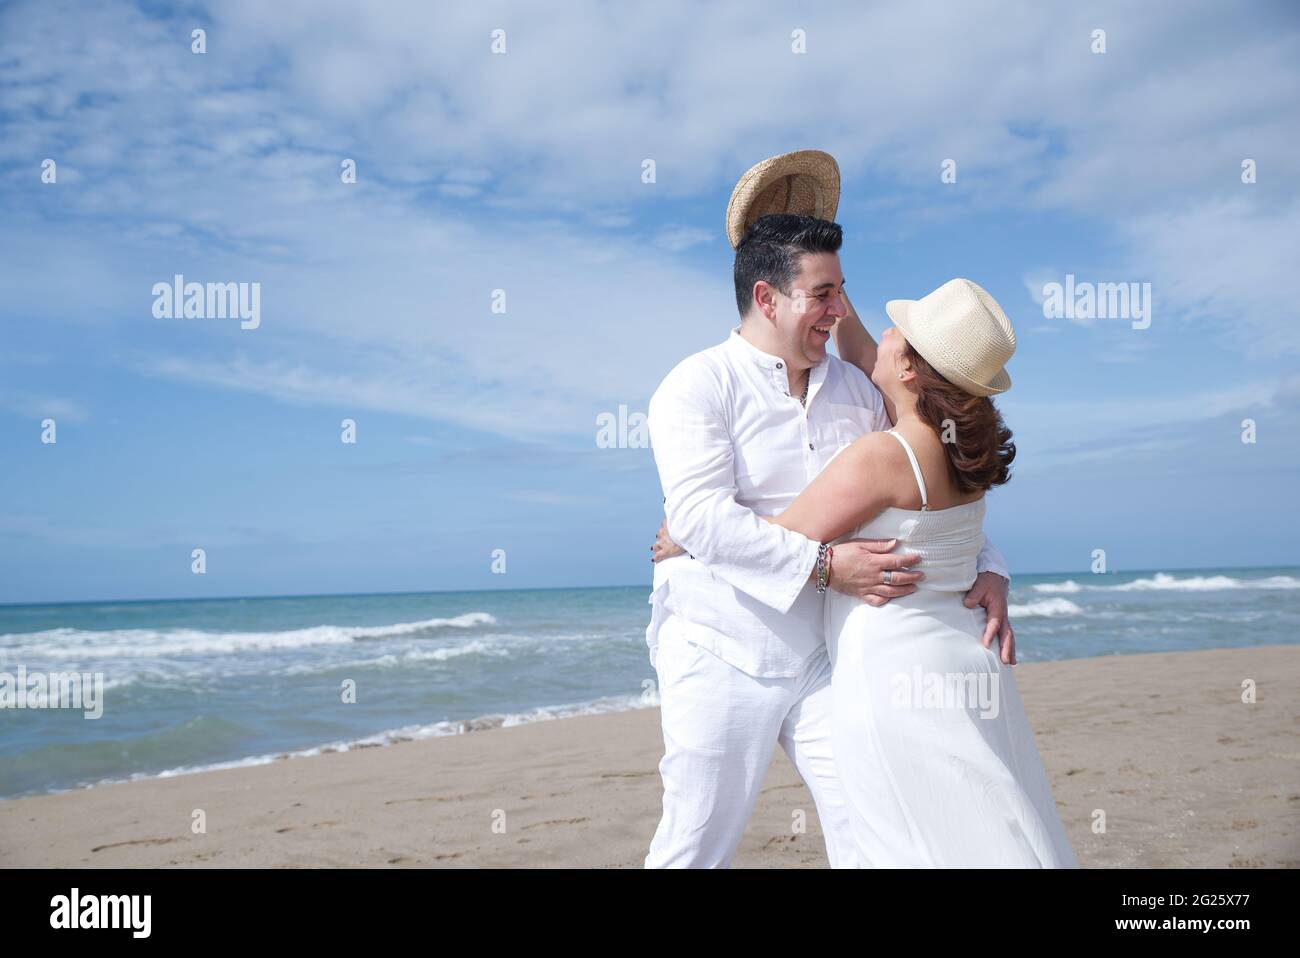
[{"x": 732, "y": 444}]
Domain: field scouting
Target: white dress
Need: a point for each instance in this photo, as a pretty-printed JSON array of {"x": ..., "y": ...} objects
[{"x": 935, "y": 753}]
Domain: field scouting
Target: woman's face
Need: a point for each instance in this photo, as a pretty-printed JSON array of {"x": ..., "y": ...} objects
[{"x": 889, "y": 359}]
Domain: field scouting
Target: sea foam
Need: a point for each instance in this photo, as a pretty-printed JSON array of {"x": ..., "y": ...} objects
[{"x": 153, "y": 643}]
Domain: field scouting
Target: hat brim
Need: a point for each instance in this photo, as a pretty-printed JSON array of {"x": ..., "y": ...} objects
[
  {"x": 900, "y": 312},
  {"x": 821, "y": 171}
]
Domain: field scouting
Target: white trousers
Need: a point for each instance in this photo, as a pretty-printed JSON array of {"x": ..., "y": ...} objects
[{"x": 721, "y": 727}]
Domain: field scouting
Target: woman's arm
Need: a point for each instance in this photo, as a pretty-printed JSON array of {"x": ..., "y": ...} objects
[
  {"x": 852, "y": 341},
  {"x": 852, "y": 489},
  {"x": 857, "y": 348}
]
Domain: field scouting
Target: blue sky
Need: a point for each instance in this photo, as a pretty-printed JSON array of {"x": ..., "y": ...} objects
[{"x": 477, "y": 430}]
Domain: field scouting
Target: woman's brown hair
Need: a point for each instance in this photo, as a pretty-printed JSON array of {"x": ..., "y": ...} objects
[{"x": 977, "y": 441}]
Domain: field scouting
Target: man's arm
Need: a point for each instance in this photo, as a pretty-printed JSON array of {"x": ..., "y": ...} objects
[
  {"x": 992, "y": 584},
  {"x": 694, "y": 454},
  {"x": 990, "y": 560}
]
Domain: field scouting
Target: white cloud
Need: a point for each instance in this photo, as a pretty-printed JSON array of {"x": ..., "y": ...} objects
[
  {"x": 1226, "y": 263},
  {"x": 675, "y": 239},
  {"x": 400, "y": 320},
  {"x": 1053, "y": 434},
  {"x": 40, "y": 406},
  {"x": 522, "y": 172},
  {"x": 1036, "y": 280}
]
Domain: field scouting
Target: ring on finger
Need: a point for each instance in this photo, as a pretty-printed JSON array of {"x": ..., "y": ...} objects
[{"x": 888, "y": 576}]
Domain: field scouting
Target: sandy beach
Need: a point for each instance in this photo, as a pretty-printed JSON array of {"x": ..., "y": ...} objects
[{"x": 1184, "y": 771}]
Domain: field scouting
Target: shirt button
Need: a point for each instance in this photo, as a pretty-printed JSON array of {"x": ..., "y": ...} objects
[
  {"x": 779, "y": 366},
  {"x": 810, "y": 445}
]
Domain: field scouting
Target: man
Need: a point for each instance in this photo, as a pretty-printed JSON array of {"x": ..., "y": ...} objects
[{"x": 736, "y": 634}]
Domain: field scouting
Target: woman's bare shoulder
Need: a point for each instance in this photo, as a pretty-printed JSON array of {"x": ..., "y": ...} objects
[
  {"x": 877, "y": 454},
  {"x": 880, "y": 446}
]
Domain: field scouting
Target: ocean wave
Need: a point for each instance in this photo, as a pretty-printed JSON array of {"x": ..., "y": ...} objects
[
  {"x": 475, "y": 647},
  {"x": 1044, "y": 607},
  {"x": 1239, "y": 616},
  {"x": 153, "y": 643},
  {"x": 199, "y": 673},
  {"x": 1214, "y": 583},
  {"x": 1069, "y": 585},
  {"x": 1163, "y": 581}
]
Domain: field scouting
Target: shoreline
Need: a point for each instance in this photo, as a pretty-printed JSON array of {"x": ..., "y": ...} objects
[
  {"x": 445, "y": 728},
  {"x": 1207, "y": 781}
]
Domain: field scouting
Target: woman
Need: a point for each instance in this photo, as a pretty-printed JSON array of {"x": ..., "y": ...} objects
[{"x": 934, "y": 750}]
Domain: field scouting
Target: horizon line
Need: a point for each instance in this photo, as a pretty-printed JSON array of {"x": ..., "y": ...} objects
[{"x": 554, "y": 588}]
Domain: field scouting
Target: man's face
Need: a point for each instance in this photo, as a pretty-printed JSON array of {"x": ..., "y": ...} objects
[{"x": 805, "y": 317}]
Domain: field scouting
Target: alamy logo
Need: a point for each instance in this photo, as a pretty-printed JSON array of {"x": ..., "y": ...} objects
[
  {"x": 102, "y": 911},
  {"x": 1098, "y": 301},
  {"x": 53, "y": 690},
  {"x": 182, "y": 300},
  {"x": 626, "y": 431},
  {"x": 919, "y": 689}
]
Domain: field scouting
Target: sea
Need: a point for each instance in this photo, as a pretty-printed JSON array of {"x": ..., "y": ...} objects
[{"x": 190, "y": 685}]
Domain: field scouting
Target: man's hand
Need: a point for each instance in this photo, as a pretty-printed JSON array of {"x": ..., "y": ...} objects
[
  {"x": 664, "y": 547},
  {"x": 859, "y": 565},
  {"x": 990, "y": 591}
]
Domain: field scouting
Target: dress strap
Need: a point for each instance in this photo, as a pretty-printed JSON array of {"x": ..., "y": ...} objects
[{"x": 920, "y": 480}]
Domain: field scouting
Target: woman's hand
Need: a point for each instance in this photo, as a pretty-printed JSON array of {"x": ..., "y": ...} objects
[{"x": 664, "y": 547}]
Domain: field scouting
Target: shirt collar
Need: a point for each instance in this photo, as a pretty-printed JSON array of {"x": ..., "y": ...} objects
[{"x": 742, "y": 345}]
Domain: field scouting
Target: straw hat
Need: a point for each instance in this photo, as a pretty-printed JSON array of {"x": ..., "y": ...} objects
[
  {"x": 962, "y": 332},
  {"x": 806, "y": 181}
]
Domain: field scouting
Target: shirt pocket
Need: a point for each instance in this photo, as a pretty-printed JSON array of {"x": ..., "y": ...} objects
[
  {"x": 848, "y": 421},
  {"x": 771, "y": 481}
]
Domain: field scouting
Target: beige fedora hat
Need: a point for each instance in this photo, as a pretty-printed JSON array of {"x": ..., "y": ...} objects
[
  {"x": 805, "y": 181},
  {"x": 962, "y": 332}
]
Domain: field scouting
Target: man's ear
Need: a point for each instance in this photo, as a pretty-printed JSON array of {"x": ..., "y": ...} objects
[{"x": 765, "y": 299}]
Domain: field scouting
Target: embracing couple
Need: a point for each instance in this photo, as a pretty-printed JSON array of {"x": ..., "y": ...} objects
[{"x": 822, "y": 578}]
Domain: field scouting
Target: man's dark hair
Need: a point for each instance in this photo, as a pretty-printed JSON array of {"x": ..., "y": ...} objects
[{"x": 772, "y": 247}]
